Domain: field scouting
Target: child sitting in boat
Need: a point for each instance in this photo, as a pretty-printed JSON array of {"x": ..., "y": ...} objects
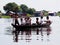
[
  {"x": 41, "y": 20},
  {"x": 28, "y": 21},
  {"x": 48, "y": 21}
]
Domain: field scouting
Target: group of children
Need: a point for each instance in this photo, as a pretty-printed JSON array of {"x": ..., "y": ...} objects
[
  {"x": 28, "y": 21},
  {"x": 47, "y": 21}
]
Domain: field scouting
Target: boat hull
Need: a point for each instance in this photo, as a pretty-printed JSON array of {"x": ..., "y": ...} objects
[{"x": 30, "y": 26}]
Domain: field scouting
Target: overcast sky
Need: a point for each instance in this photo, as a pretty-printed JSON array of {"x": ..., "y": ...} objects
[{"x": 49, "y": 5}]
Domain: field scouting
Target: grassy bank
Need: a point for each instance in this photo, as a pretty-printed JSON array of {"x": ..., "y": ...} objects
[{"x": 5, "y": 17}]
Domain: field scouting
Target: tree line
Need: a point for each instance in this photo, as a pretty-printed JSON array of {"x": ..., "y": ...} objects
[
  {"x": 18, "y": 8},
  {"x": 22, "y": 9}
]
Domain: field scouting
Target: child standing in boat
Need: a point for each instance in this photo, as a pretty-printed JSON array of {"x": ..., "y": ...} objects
[
  {"x": 21, "y": 19},
  {"x": 41, "y": 20},
  {"x": 37, "y": 21},
  {"x": 16, "y": 20}
]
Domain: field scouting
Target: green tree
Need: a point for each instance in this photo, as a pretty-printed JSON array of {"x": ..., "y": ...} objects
[
  {"x": 31, "y": 11},
  {"x": 11, "y": 7},
  {"x": 24, "y": 8}
]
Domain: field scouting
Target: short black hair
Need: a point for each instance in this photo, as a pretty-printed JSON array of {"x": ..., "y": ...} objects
[
  {"x": 41, "y": 17},
  {"x": 37, "y": 18},
  {"x": 47, "y": 17}
]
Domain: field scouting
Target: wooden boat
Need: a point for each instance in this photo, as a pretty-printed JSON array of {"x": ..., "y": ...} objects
[{"x": 31, "y": 26}]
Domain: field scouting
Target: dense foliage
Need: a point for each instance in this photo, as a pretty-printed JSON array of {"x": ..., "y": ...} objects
[
  {"x": 22, "y": 9},
  {"x": 16, "y": 8}
]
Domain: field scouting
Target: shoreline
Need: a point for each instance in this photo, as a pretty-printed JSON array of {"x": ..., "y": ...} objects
[{"x": 23, "y": 17}]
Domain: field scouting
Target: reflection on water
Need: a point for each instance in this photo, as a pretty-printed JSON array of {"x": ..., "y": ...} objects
[
  {"x": 8, "y": 30},
  {"x": 27, "y": 33},
  {"x": 39, "y": 36}
]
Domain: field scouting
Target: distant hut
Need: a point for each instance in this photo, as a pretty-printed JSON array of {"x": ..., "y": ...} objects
[
  {"x": 55, "y": 14},
  {"x": 38, "y": 13},
  {"x": 52, "y": 13},
  {"x": 23, "y": 14},
  {"x": 11, "y": 14}
]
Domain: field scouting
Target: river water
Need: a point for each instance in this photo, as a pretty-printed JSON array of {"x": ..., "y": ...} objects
[{"x": 51, "y": 37}]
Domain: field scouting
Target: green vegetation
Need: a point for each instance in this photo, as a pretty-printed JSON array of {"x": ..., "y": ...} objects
[
  {"x": 13, "y": 7},
  {"x": 5, "y": 16},
  {"x": 58, "y": 13},
  {"x": 16, "y": 8},
  {"x": 45, "y": 12},
  {"x": 24, "y": 8},
  {"x": 28, "y": 15}
]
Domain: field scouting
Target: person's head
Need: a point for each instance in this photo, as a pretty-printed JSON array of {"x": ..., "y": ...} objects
[
  {"x": 41, "y": 17},
  {"x": 47, "y": 17},
  {"x": 37, "y": 18}
]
